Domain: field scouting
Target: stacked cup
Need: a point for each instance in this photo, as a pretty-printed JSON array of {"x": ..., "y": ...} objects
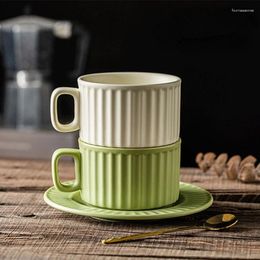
[{"x": 129, "y": 146}]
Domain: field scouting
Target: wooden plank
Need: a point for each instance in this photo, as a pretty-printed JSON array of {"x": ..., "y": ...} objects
[
  {"x": 214, "y": 183},
  {"x": 31, "y": 175},
  {"x": 30, "y": 229},
  {"x": 28, "y": 175},
  {"x": 30, "y": 226},
  {"x": 34, "y": 174}
]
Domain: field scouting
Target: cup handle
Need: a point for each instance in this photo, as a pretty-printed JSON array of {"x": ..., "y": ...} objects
[
  {"x": 74, "y": 124},
  {"x": 75, "y": 154}
]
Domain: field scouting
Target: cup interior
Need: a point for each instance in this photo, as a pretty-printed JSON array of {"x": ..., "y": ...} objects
[{"x": 129, "y": 78}]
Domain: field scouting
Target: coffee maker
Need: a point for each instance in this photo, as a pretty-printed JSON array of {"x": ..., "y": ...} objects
[{"x": 28, "y": 45}]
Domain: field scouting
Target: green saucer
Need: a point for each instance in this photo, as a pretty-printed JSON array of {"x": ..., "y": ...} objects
[{"x": 192, "y": 199}]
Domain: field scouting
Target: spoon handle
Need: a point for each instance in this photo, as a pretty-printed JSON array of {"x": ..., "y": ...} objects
[{"x": 144, "y": 235}]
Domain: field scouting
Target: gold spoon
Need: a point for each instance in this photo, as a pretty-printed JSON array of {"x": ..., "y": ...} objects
[{"x": 217, "y": 222}]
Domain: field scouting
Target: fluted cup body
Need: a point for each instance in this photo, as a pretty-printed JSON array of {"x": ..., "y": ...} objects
[
  {"x": 125, "y": 109},
  {"x": 123, "y": 178}
]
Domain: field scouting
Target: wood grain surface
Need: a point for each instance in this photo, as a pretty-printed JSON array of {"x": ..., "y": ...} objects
[{"x": 30, "y": 229}]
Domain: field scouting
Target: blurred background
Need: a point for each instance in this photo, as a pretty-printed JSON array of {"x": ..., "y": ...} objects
[{"x": 212, "y": 46}]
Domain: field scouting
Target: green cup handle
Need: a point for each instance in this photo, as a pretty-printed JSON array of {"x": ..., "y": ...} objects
[{"x": 75, "y": 154}]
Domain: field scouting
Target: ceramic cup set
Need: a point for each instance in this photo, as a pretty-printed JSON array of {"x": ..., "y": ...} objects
[{"x": 129, "y": 146}]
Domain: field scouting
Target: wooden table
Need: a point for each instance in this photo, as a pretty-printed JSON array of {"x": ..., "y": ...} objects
[{"x": 31, "y": 229}]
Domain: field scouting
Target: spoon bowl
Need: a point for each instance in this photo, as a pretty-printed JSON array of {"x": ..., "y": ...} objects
[{"x": 221, "y": 221}]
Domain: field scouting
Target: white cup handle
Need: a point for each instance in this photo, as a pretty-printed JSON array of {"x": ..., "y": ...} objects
[{"x": 74, "y": 124}]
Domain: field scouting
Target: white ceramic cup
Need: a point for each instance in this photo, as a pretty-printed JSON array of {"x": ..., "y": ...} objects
[{"x": 123, "y": 109}]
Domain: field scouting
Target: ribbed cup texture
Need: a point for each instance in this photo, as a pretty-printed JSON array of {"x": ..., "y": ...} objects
[
  {"x": 130, "y": 179},
  {"x": 144, "y": 117}
]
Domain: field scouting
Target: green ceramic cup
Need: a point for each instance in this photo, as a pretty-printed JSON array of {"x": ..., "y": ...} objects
[{"x": 123, "y": 179}]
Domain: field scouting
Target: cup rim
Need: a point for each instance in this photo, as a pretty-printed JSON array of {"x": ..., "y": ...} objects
[
  {"x": 146, "y": 80},
  {"x": 154, "y": 149}
]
